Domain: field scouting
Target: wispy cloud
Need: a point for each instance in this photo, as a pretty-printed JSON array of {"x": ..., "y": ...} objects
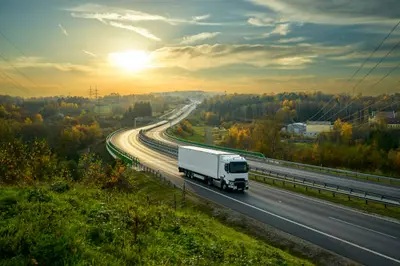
[
  {"x": 63, "y": 30},
  {"x": 203, "y": 17},
  {"x": 107, "y": 13},
  {"x": 271, "y": 56},
  {"x": 261, "y": 22},
  {"x": 142, "y": 31},
  {"x": 280, "y": 29},
  {"x": 335, "y": 12},
  {"x": 89, "y": 53},
  {"x": 292, "y": 40},
  {"x": 39, "y": 62},
  {"x": 199, "y": 37}
]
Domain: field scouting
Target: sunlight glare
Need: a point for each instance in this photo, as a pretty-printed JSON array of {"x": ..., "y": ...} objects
[{"x": 133, "y": 60}]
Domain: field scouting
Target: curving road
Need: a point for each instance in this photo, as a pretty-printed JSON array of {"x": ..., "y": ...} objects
[{"x": 365, "y": 238}]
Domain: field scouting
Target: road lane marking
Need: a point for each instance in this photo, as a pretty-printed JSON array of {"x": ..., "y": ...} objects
[
  {"x": 299, "y": 224},
  {"x": 362, "y": 227},
  {"x": 386, "y": 219}
]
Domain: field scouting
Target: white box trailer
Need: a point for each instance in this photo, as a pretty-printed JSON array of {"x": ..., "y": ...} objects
[{"x": 223, "y": 169}]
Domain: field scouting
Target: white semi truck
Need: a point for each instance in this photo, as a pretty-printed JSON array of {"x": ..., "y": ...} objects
[{"x": 226, "y": 170}]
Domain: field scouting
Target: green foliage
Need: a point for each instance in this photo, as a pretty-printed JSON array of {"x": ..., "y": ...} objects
[
  {"x": 90, "y": 226},
  {"x": 26, "y": 163}
]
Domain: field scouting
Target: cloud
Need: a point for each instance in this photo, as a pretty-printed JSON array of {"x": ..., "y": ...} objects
[
  {"x": 38, "y": 62},
  {"x": 292, "y": 40},
  {"x": 280, "y": 29},
  {"x": 199, "y": 37},
  {"x": 63, "y": 30},
  {"x": 198, "y": 18},
  {"x": 89, "y": 53},
  {"x": 261, "y": 22},
  {"x": 257, "y": 55},
  {"x": 107, "y": 13},
  {"x": 335, "y": 12},
  {"x": 365, "y": 54},
  {"x": 142, "y": 31}
]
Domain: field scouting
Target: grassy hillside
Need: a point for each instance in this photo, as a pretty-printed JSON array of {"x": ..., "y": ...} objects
[{"x": 71, "y": 224}]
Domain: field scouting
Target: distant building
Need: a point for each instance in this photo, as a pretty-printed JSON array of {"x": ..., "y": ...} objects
[
  {"x": 295, "y": 128},
  {"x": 391, "y": 118},
  {"x": 314, "y": 128}
]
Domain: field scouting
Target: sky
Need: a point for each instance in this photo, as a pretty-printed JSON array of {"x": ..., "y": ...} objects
[{"x": 64, "y": 47}]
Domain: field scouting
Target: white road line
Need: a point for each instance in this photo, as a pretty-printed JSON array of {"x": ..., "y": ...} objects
[
  {"x": 386, "y": 219},
  {"x": 362, "y": 227},
  {"x": 301, "y": 225}
]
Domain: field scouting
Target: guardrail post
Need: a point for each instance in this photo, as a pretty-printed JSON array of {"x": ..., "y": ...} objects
[
  {"x": 333, "y": 194},
  {"x": 306, "y": 188}
]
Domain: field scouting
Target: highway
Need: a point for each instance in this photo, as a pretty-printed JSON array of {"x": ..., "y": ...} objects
[
  {"x": 365, "y": 238},
  {"x": 365, "y": 185}
]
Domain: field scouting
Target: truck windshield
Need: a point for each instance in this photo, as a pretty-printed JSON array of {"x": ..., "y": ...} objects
[{"x": 238, "y": 167}]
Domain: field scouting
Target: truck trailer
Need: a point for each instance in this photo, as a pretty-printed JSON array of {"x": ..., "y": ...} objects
[{"x": 225, "y": 170}]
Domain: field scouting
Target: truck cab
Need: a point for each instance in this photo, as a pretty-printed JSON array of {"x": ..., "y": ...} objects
[{"x": 233, "y": 172}]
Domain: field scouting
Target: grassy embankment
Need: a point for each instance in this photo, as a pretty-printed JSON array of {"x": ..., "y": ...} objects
[{"x": 71, "y": 224}]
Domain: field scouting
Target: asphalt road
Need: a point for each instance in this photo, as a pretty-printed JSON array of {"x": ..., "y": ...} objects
[{"x": 367, "y": 239}]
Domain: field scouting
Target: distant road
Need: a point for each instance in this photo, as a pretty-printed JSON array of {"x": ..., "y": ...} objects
[{"x": 365, "y": 238}]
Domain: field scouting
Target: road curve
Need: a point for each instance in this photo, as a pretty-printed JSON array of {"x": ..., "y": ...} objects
[{"x": 364, "y": 238}]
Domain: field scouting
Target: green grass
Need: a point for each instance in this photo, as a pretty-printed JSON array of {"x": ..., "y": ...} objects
[
  {"x": 77, "y": 225},
  {"x": 198, "y": 135},
  {"x": 359, "y": 204}
]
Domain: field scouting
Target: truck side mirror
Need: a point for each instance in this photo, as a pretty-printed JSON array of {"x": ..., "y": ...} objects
[{"x": 227, "y": 168}]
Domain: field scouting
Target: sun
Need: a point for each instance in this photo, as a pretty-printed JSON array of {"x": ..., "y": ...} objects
[{"x": 133, "y": 60}]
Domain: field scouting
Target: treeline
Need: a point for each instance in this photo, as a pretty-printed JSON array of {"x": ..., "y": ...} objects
[
  {"x": 295, "y": 107},
  {"x": 360, "y": 148}
]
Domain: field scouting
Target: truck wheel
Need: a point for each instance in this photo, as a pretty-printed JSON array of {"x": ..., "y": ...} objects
[
  {"x": 224, "y": 186},
  {"x": 209, "y": 182}
]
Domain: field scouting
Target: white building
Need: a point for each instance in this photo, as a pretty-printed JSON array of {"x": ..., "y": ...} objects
[{"x": 314, "y": 128}]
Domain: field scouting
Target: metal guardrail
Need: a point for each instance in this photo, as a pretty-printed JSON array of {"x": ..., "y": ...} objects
[
  {"x": 293, "y": 179},
  {"x": 321, "y": 186},
  {"x": 260, "y": 158},
  {"x": 237, "y": 151}
]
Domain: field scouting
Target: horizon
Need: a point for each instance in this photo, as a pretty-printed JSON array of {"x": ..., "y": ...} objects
[{"x": 246, "y": 46}]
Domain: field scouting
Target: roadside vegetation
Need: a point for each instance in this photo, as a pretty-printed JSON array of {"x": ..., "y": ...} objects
[{"x": 133, "y": 223}]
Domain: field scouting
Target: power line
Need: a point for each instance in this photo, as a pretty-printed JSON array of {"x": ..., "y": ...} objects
[
  {"x": 360, "y": 67},
  {"x": 23, "y": 54},
  {"x": 373, "y": 52},
  {"x": 377, "y": 64},
  {"x": 16, "y": 69},
  {"x": 15, "y": 83},
  {"x": 376, "y": 83}
]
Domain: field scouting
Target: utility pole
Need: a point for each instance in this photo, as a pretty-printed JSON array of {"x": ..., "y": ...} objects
[{"x": 96, "y": 94}]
